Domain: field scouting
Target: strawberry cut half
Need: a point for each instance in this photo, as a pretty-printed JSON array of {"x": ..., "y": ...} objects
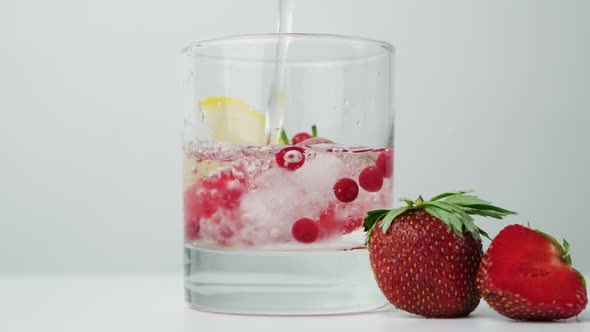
[{"x": 526, "y": 274}]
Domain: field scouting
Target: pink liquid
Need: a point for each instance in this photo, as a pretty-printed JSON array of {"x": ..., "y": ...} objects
[{"x": 242, "y": 197}]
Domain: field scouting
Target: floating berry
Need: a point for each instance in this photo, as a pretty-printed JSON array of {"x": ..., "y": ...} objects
[
  {"x": 329, "y": 221},
  {"x": 371, "y": 179},
  {"x": 385, "y": 163},
  {"x": 351, "y": 224},
  {"x": 305, "y": 230},
  {"x": 300, "y": 137},
  {"x": 346, "y": 190},
  {"x": 204, "y": 198},
  {"x": 291, "y": 157}
]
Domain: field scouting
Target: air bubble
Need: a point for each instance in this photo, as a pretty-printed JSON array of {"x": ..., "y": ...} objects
[{"x": 265, "y": 151}]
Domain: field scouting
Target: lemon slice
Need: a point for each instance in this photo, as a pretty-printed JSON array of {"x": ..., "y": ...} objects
[{"x": 232, "y": 120}]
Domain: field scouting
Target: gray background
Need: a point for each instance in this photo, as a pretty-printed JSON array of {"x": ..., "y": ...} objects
[{"x": 490, "y": 95}]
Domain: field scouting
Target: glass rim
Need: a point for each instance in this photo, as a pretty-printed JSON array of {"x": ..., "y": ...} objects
[{"x": 383, "y": 46}]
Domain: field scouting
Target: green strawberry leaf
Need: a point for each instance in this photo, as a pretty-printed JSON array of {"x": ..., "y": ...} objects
[
  {"x": 386, "y": 217},
  {"x": 482, "y": 232},
  {"x": 470, "y": 225},
  {"x": 489, "y": 207},
  {"x": 446, "y": 217},
  {"x": 466, "y": 200},
  {"x": 484, "y": 213},
  {"x": 454, "y": 209},
  {"x": 443, "y": 195},
  {"x": 566, "y": 246},
  {"x": 445, "y": 206},
  {"x": 372, "y": 218},
  {"x": 407, "y": 200},
  {"x": 391, "y": 215}
]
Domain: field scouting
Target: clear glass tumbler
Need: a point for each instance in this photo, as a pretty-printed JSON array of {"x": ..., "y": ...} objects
[{"x": 288, "y": 142}]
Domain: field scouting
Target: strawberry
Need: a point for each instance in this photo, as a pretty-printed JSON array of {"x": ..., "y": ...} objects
[
  {"x": 425, "y": 255},
  {"x": 526, "y": 274}
]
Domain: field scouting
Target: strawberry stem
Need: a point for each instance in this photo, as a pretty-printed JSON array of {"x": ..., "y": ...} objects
[{"x": 419, "y": 201}]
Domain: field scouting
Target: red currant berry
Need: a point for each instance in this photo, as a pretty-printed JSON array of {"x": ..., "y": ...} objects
[
  {"x": 346, "y": 190},
  {"x": 300, "y": 138},
  {"x": 385, "y": 163},
  {"x": 291, "y": 157},
  {"x": 371, "y": 179},
  {"x": 305, "y": 230}
]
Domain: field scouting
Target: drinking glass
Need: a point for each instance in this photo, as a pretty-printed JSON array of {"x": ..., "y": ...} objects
[{"x": 288, "y": 142}]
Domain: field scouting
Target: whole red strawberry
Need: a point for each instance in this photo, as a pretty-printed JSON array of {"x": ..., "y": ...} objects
[
  {"x": 425, "y": 255},
  {"x": 526, "y": 274}
]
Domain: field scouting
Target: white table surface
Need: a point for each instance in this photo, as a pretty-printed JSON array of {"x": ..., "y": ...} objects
[{"x": 147, "y": 303}]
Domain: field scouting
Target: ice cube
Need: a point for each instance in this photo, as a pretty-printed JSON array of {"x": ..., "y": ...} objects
[{"x": 280, "y": 197}]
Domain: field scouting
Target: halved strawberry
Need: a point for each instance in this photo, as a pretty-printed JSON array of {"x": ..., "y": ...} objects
[{"x": 526, "y": 274}]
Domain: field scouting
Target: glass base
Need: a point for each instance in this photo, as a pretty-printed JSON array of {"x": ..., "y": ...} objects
[{"x": 280, "y": 283}]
